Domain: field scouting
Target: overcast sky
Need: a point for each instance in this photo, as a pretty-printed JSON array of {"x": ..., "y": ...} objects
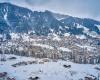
[{"x": 79, "y": 8}]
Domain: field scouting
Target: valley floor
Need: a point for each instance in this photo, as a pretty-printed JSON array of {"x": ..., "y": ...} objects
[{"x": 46, "y": 69}]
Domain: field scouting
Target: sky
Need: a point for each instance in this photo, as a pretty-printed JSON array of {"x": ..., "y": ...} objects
[{"x": 77, "y": 8}]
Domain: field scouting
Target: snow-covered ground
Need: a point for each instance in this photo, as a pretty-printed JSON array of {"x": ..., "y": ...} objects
[
  {"x": 43, "y": 45},
  {"x": 51, "y": 47},
  {"x": 64, "y": 49},
  {"x": 48, "y": 70},
  {"x": 89, "y": 48}
]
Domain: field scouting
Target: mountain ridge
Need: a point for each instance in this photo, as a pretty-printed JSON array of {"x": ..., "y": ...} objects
[{"x": 22, "y": 20}]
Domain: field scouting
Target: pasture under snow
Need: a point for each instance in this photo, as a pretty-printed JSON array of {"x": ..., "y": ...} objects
[{"x": 51, "y": 70}]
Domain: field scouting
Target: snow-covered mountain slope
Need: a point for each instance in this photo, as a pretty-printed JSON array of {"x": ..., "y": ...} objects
[
  {"x": 47, "y": 69},
  {"x": 22, "y": 20}
]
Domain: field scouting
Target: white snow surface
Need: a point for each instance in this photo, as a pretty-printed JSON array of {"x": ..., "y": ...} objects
[
  {"x": 98, "y": 26},
  {"x": 81, "y": 36},
  {"x": 14, "y": 36},
  {"x": 47, "y": 71},
  {"x": 64, "y": 49},
  {"x": 43, "y": 46},
  {"x": 56, "y": 37},
  {"x": 86, "y": 30},
  {"x": 67, "y": 34},
  {"x": 5, "y": 17},
  {"x": 89, "y": 48}
]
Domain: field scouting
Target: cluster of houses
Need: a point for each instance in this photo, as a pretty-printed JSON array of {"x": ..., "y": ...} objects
[{"x": 77, "y": 54}]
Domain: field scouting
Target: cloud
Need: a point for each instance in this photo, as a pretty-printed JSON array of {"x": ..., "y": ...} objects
[{"x": 80, "y": 8}]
